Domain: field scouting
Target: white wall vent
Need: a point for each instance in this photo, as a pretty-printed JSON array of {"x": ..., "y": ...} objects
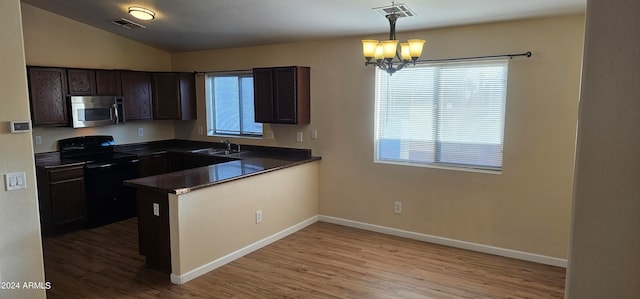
[
  {"x": 401, "y": 9},
  {"x": 127, "y": 24}
]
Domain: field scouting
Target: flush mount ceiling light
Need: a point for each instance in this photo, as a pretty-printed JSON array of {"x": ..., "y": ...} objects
[
  {"x": 142, "y": 13},
  {"x": 383, "y": 52}
]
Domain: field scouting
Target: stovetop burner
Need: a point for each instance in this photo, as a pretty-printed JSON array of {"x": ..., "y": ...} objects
[{"x": 92, "y": 150}]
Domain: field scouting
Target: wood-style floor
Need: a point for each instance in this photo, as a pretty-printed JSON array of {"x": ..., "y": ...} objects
[{"x": 321, "y": 261}]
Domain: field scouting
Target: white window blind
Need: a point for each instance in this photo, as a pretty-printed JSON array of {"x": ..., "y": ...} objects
[
  {"x": 230, "y": 105},
  {"x": 444, "y": 114}
]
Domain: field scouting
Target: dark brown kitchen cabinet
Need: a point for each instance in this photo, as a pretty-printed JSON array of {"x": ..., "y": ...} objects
[
  {"x": 136, "y": 90},
  {"x": 174, "y": 96},
  {"x": 61, "y": 198},
  {"x": 82, "y": 82},
  {"x": 153, "y": 165},
  {"x": 154, "y": 241},
  {"x": 166, "y": 96},
  {"x": 181, "y": 161},
  {"x": 47, "y": 96},
  {"x": 108, "y": 83},
  {"x": 188, "y": 108},
  {"x": 282, "y": 95}
]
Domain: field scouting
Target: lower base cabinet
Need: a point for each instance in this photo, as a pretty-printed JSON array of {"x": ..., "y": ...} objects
[
  {"x": 61, "y": 199},
  {"x": 153, "y": 206},
  {"x": 153, "y": 229},
  {"x": 184, "y": 161},
  {"x": 153, "y": 165}
]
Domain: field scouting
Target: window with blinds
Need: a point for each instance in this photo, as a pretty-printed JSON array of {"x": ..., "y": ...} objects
[
  {"x": 230, "y": 105},
  {"x": 442, "y": 115}
]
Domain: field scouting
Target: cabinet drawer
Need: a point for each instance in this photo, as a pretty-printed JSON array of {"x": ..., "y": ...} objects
[{"x": 66, "y": 174}]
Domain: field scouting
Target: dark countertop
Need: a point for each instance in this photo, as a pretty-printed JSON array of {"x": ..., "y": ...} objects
[
  {"x": 185, "y": 181},
  {"x": 253, "y": 160},
  {"x": 52, "y": 160}
]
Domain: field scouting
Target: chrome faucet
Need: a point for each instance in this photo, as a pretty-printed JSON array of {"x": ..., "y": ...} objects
[{"x": 226, "y": 143}]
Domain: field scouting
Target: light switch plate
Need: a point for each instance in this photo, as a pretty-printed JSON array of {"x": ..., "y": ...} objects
[{"x": 15, "y": 181}]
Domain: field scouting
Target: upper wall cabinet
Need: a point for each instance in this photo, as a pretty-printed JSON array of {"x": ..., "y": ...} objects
[
  {"x": 81, "y": 82},
  {"x": 136, "y": 90},
  {"x": 188, "y": 108},
  {"x": 174, "y": 96},
  {"x": 146, "y": 95},
  {"x": 108, "y": 83},
  {"x": 282, "y": 95},
  {"x": 47, "y": 94},
  {"x": 94, "y": 82}
]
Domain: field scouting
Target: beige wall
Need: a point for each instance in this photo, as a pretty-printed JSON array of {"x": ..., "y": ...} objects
[
  {"x": 526, "y": 208},
  {"x": 20, "y": 246},
  {"x": 604, "y": 260},
  {"x": 127, "y": 133},
  {"x": 209, "y": 224},
  {"x": 53, "y": 40}
]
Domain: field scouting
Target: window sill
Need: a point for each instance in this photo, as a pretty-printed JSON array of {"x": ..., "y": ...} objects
[
  {"x": 443, "y": 167},
  {"x": 257, "y": 137}
]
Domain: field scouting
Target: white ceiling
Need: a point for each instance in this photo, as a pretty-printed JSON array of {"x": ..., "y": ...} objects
[{"x": 186, "y": 25}]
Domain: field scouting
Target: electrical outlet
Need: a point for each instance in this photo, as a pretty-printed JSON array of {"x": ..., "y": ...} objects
[
  {"x": 314, "y": 134},
  {"x": 397, "y": 207},
  {"x": 38, "y": 140},
  {"x": 200, "y": 130},
  {"x": 156, "y": 209},
  {"x": 258, "y": 216},
  {"x": 140, "y": 132},
  {"x": 299, "y": 136},
  {"x": 268, "y": 135}
]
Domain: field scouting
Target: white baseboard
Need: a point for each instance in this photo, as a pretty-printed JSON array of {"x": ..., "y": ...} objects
[
  {"x": 521, "y": 255},
  {"x": 180, "y": 279}
]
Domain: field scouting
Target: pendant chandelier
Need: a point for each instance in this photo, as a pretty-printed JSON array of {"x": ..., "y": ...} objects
[{"x": 382, "y": 53}]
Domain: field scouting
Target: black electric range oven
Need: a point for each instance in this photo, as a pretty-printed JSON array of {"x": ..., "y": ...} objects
[{"x": 107, "y": 199}]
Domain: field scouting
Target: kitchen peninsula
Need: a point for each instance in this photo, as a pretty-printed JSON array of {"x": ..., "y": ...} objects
[{"x": 194, "y": 220}]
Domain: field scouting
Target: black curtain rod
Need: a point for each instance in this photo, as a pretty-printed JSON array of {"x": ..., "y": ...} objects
[
  {"x": 224, "y": 71},
  {"x": 526, "y": 54},
  {"x": 510, "y": 56}
]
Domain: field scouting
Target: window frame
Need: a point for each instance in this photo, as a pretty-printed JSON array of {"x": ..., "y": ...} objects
[
  {"x": 434, "y": 121},
  {"x": 211, "y": 104}
]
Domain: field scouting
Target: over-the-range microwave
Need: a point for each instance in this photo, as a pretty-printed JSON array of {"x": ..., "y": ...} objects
[{"x": 92, "y": 111}]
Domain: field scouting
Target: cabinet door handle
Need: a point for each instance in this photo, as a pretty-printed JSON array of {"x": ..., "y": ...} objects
[{"x": 115, "y": 112}]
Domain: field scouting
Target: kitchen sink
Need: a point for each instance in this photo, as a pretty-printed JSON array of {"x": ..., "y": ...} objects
[
  {"x": 210, "y": 151},
  {"x": 216, "y": 152}
]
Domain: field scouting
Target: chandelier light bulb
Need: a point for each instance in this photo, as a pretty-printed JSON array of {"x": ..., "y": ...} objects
[
  {"x": 405, "y": 52},
  {"x": 369, "y": 47},
  {"x": 415, "y": 47}
]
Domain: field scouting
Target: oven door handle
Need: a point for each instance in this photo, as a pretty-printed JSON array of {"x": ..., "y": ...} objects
[
  {"x": 105, "y": 165},
  {"x": 95, "y": 166}
]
